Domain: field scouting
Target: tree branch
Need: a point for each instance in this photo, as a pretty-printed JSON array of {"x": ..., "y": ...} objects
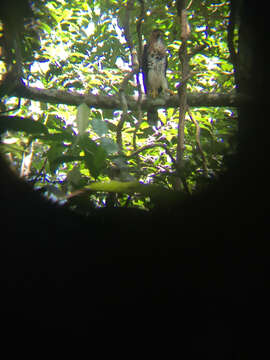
[{"x": 113, "y": 102}]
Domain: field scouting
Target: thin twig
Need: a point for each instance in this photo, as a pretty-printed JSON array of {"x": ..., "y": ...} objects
[
  {"x": 12, "y": 109},
  {"x": 197, "y": 49},
  {"x": 188, "y": 77},
  {"x": 150, "y": 146}
]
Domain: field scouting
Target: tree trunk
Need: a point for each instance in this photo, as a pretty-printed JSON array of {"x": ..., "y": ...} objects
[{"x": 253, "y": 74}]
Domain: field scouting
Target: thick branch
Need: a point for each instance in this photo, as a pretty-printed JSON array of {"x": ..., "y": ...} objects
[{"x": 113, "y": 102}]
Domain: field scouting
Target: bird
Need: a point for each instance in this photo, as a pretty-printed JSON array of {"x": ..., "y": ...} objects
[{"x": 154, "y": 67}]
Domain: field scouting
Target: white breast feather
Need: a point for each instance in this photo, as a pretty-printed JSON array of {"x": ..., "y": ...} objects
[{"x": 156, "y": 66}]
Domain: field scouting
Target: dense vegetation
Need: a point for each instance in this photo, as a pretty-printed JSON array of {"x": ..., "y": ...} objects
[{"x": 88, "y": 47}]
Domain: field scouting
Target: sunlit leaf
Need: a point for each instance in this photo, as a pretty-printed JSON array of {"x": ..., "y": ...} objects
[
  {"x": 99, "y": 126},
  {"x": 82, "y": 118}
]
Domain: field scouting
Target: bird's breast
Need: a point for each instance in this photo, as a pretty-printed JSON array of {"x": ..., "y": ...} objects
[
  {"x": 156, "y": 62},
  {"x": 156, "y": 73}
]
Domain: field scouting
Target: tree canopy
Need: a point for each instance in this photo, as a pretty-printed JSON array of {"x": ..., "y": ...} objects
[{"x": 75, "y": 124}]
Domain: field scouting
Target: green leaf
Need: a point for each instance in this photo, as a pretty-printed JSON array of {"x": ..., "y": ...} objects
[
  {"x": 95, "y": 162},
  {"x": 129, "y": 187},
  {"x": 95, "y": 155},
  {"x": 99, "y": 126},
  {"x": 45, "y": 27},
  {"x": 62, "y": 160},
  {"x": 63, "y": 136},
  {"x": 156, "y": 192},
  {"x": 86, "y": 144},
  {"x": 17, "y": 123},
  {"x": 109, "y": 145},
  {"x": 82, "y": 118}
]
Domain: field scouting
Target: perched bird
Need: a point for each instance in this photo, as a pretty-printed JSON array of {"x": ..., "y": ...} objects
[{"x": 154, "y": 66}]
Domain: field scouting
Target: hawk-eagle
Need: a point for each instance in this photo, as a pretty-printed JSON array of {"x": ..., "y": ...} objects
[{"x": 154, "y": 66}]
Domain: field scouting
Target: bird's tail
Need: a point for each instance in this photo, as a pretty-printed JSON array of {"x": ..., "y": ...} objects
[{"x": 152, "y": 117}]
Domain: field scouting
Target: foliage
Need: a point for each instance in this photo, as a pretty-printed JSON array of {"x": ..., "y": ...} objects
[{"x": 83, "y": 48}]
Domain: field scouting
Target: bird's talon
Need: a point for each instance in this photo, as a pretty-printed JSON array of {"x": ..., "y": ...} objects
[{"x": 153, "y": 94}]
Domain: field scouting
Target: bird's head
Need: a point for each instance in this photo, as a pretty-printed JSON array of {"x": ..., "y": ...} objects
[{"x": 157, "y": 34}]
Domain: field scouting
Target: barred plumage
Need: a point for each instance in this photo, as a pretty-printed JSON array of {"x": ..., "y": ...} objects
[{"x": 154, "y": 66}]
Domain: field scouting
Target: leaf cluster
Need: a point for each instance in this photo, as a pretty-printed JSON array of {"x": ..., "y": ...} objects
[{"x": 82, "y": 47}]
